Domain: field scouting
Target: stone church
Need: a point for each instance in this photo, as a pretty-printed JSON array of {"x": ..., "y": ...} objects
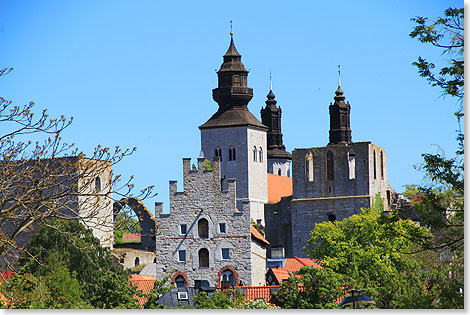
[{"x": 209, "y": 236}]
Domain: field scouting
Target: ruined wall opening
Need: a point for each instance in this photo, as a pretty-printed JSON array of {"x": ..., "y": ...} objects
[
  {"x": 330, "y": 166},
  {"x": 381, "y": 164},
  {"x": 375, "y": 166},
  {"x": 309, "y": 167},
  {"x": 352, "y": 164}
]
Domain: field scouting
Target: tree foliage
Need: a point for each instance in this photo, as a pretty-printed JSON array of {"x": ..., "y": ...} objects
[
  {"x": 315, "y": 289},
  {"x": 73, "y": 268}
]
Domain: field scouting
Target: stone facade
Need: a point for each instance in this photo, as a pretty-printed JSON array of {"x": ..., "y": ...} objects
[{"x": 205, "y": 237}]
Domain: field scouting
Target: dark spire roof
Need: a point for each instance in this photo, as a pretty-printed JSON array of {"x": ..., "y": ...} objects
[
  {"x": 340, "y": 130},
  {"x": 232, "y": 51}
]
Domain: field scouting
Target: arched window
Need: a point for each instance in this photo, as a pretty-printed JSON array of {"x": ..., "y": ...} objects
[
  {"x": 255, "y": 153},
  {"x": 279, "y": 172},
  {"x": 382, "y": 164},
  {"x": 352, "y": 164},
  {"x": 98, "y": 183},
  {"x": 261, "y": 155},
  {"x": 203, "y": 258},
  {"x": 155, "y": 260},
  {"x": 227, "y": 278},
  {"x": 218, "y": 153},
  {"x": 203, "y": 228},
  {"x": 331, "y": 217},
  {"x": 231, "y": 154},
  {"x": 330, "y": 166},
  {"x": 309, "y": 167},
  {"x": 180, "y": 282},
  {"x": 375, "y": 166},
  {"x": 137, "y": 261}
]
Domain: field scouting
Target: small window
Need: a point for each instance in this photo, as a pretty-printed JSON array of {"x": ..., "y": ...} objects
[
  {"x": 330, "y": 166},
  {"x": 98, "y": 183},
  {"x": 279, "y": 172},
  {"x": 182, "y": 295},
  {"x": 181, "y": 255},
  {"x": 261, "y": 155},
  {"x": 183, "y": 229},
  {"x": 231, "y": 154},
  {"x": 180, "y": 282},
  {"x": 222, "y": 228},
  {"x": 225, "y": 253},
  {"x": 218, "y": 153},
  {"x": 255, "y": 153},
  {"x": 137, "y": 261},
  {"x": 352, "y": 164},
  {"x": 331, "y": 217},
  {"x": 309, "y": 167},
  {"x": 203, "y": 258},
  {"x": 203, "y": 228}
]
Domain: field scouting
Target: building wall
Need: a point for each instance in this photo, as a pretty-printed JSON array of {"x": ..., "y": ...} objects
[
  {"x": 258, "y": 263},
  {"x": 250, "y": 175},
  {"x": 203, "y": 198},
  {"x": 276, "y": 165}
]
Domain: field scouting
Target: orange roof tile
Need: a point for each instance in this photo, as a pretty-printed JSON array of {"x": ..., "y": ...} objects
[
  {"x": 144, "y": 283},
  {"x": 291, "y": 266},
  {"x": 258, "y": 235},
  {"x": 278, "y": 186}
]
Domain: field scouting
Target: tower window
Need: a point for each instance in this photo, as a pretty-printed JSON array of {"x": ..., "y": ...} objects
[
  {"x": 352, "y": 164},
  {"x": 222, "y": 228},
  {"x": 203, "y": 258},
  {"x": 255, "y": 153},
  {"x": 181, "y": 255},
  {"x": 137, "y": 261},
  {"x": 309, "y": 167},
  {"x": 279, "y": 172},
  {"x": 231, "y": 154},
  {"x": 375, "y": 166},
  {"x": 382, "y": 164},
  {"x": 261, "y": 155},
  {"x": 218, "y": 153},
  {"x": 225, "y": 253},
  {"x": 330, "y": 166},
  {"x": 203, "y": 228},
  {"x": 98, "y": 184}
]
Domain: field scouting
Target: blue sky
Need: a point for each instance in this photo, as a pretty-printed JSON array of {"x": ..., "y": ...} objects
[{"x": 141, "y": 73}]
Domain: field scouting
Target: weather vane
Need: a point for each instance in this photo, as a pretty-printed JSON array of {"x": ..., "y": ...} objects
[
  {"x": 339, "y": 75},
  {"x": 231, "y": 30}
]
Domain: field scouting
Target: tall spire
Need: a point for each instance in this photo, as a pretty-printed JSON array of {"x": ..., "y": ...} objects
[
  {"x": 232, "y": 90},
  {"x": 340, "y": 130},
  {"x": 271, "y": 117}
]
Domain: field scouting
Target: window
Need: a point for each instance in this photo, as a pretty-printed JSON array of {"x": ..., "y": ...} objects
[
  {"x": 279, "y": 172},
  {"x": 330, "y": 166},
  {"x": 261, "y": 155},
  {"x": 389, "y": 198},
  {"x": 180, "y": 282},
  {"x": 218, "y": 153},
  {"x": 231, "y": 154},
  {"x": 227, "y": 277},
  {"x": 352, "y": 164},
  {"x": 375, "y": 167},
  {"x": 203, "y": 228},
  {"x": 255, "y": 153},
  {"x": 181, "y": 255},
  {"x": 137, "y": 261},
  {"x": 183, "y": 229},
  {"x": 309, "y": 167},
  {"x": 182, "y": 295},
  {"x": 203, "y": 258},
  {"x": 331, "y": 217},
  {"x": 98, "y": 183},
  {"x": 225, "y": 253},
  {"x": 382, "y": 164},
  {"x": 222, "y": 228}
]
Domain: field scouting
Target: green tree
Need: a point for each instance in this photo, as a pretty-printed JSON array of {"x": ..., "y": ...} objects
[
  {"x": 104, "y": 283},
  {"x": 375, "y": 255},
  {"x": 320, "y": 289},
  {"x": 159, "y": 289},
  {"x": 217, "y": 300}
]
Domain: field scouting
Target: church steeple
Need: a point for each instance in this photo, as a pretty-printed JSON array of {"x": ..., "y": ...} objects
[
  {"x": 340, "y": 130},
  {"x": 232, "y": 90},
  {"x": 271, "y": 117}
]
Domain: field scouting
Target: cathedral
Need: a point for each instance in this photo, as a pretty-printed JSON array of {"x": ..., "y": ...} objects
[{"x": 249, "y": 200}]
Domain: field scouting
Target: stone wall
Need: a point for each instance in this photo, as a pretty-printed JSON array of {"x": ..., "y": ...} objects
[
  {"x": 258, "y": 262},
  {"x": 203, "y": 198}
]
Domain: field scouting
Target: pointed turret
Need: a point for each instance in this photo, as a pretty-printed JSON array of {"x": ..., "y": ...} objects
[{"x": 340, "y": 130}]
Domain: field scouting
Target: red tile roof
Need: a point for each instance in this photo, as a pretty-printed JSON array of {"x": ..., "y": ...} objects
[
  {"x": 255, "y": 292},
  {"x": 131, "y": 237},
  {"x": 291, "y": 266},
  {"x": 278, "y": 186},
  {"x": 144, "y": 284},
  {"x": 258, "y": 235}
]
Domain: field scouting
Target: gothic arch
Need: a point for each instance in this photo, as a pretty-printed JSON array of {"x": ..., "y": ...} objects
[
  {"x": 176, "y": 275},
  {"x": 147, "y": 221},
  {"x": 221, "y": 271}
]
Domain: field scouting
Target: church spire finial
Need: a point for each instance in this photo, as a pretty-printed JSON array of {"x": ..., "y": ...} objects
[
  {"x": 339, "y": 75},
  {"x": 231, "y": 30},
  {"x": 270, "y": 80}
]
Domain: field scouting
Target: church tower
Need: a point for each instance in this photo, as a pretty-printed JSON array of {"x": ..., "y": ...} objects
[
  {"x": 340, "y": 130},
  {"x": 279, "y": 159},
  {"x": 236, "y": 136}
]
